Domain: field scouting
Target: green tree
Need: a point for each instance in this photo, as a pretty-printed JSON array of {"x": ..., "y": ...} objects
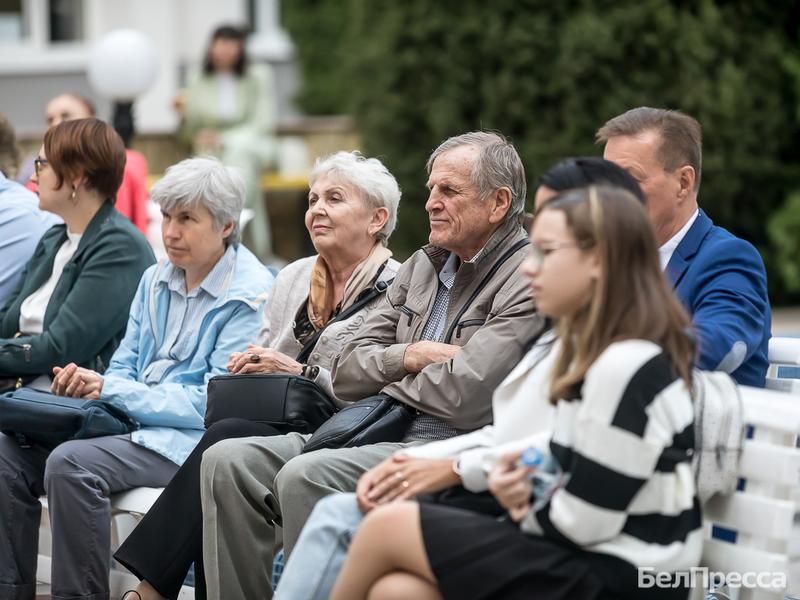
[{"x": 548, "y": 74}]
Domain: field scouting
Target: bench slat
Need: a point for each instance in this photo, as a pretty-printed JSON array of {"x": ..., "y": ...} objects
[
  {"x": 730, "y": 558},
  {"x": 756, "y": 515},
  {"x": 779, "y": 384},
  {"x": 769, "y": 408},
  {"x": 784, "y": 350},
  {"x": 769, "y": 463}
]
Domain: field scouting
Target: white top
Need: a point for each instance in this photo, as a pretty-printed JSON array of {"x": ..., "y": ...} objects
[
  {"x": 31, "y": 313},
  {"x": 668, "y": 249},
  {"x": 227, "y": 95}
]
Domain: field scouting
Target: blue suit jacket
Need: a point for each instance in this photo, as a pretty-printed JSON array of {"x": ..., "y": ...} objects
[{"x": 722, "y": 282}]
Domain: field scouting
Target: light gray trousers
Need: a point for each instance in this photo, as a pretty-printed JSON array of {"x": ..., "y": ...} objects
[
  {"x": 251, "y": 485},
  {"x": 78, "y": 477}
]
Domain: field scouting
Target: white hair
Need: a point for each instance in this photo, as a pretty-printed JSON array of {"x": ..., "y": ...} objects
[
  {"x": 206, "y": 182},
  {"x": 370, "y": 177}
]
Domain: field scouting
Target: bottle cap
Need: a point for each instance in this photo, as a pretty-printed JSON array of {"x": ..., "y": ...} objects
[{"x": 531, "y": 457}]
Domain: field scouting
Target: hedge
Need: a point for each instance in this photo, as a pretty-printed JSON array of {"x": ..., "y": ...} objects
[{"x": 548, "y": 74}]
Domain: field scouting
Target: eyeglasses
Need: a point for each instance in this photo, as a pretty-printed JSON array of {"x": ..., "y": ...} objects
[
  {"x": 538, "y": 254},
  {"x": 38, "y": 163}
]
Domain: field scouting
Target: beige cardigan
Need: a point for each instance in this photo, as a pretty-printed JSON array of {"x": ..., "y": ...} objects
[{"x": 288, "y": 294}]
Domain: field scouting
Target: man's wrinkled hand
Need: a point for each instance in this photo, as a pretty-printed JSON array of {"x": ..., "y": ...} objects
[{"x": 423, "y": 353}]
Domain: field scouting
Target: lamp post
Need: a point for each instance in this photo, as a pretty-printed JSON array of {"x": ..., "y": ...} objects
[{"x": 123, "y": 65}]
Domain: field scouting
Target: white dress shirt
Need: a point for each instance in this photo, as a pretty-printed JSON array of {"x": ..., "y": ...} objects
[{"x": 668, "y": 249}]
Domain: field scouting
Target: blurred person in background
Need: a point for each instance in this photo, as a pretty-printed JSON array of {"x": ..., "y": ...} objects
[
  {"x": 190, "y": 312},
  {"x": 132, "y": 194},
  {"x": 71, "y": 303},
  {"x": 21, "y": 222},
  {"x": 227, "y": 110}
]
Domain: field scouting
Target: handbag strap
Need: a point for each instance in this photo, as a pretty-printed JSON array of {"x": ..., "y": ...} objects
[
  {"x": 379, "y": 288},
  {"x": 508, "y": 254}
]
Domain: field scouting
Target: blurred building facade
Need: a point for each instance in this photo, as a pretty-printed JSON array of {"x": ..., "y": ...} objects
[{"x": 45, "y": 47}]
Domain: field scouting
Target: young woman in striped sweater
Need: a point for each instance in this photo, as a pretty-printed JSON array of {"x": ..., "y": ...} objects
[{"x": 622, "y": 432}]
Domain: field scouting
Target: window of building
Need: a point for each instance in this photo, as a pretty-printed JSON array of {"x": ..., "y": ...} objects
[
  {"x": 39, "y": 23},
  {"x": 13, "y": 21},
  {"x": 65, "y": 20}
]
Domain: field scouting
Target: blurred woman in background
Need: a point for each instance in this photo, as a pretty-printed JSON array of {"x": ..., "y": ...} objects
[{"x": 227, "y": 110}]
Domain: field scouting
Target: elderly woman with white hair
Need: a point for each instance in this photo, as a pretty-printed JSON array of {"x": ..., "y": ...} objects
[
  {"x": 189, "y": 313},
  {"x": 352, "y": 211}
]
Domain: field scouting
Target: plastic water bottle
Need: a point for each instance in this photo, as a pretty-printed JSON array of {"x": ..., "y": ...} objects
[{"x": 547, "y": 475}]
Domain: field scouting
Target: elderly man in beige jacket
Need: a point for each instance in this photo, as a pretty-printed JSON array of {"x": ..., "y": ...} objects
[{"x": 416, "y": 345}]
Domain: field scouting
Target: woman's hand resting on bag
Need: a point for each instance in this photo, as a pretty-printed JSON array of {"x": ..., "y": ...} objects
[
  {"x": 77, "y": 382},
  {"x": 511, "y": 485},
  {"x": 262, "y": 360}
]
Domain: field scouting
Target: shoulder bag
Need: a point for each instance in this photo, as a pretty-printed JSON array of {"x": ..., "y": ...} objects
[
  {"x": 381, "y": 418},
  {"x": 44, "y": 419}
]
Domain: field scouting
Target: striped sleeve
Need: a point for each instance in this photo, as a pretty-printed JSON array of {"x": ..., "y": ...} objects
[{"x": 629, "y": 428}]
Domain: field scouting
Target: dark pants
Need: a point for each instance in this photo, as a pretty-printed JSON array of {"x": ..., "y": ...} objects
[
  {"x": 79, "y": 476},
  {"x": 169, "y": 538}
]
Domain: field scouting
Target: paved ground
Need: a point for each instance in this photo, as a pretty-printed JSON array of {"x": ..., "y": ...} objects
[{"x": 786, "y": 321}]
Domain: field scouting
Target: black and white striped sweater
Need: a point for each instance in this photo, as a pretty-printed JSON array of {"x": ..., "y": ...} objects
[{"x": 626, "y": 443}]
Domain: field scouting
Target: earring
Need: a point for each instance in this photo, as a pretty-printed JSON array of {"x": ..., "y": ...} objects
[{"x": 74, "y": 196}]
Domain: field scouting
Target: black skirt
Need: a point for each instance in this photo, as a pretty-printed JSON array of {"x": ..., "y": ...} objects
[{"x": 476, "y": 557}]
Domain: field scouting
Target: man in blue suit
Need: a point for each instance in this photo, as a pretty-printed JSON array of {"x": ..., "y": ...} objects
[{"x": 719, "y": 278}]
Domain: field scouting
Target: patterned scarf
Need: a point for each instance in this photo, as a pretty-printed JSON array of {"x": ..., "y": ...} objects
[{"x": 321, "y": 303}]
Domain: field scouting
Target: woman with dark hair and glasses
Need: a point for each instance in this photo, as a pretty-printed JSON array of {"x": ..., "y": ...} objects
[
  {"x": 71, "y": 303},
  {"x": 227, "y": 110}
]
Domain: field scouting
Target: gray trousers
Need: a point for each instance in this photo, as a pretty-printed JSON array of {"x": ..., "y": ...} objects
[
  {"x": 251, "y": 485},
  {"x": 78, "y": 477}
]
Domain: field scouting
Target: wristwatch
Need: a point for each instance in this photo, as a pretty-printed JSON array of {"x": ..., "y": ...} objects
[{"x": 309, "y": 371}]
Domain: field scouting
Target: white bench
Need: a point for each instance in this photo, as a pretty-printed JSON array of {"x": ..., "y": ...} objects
[
  {"x": 764, "y": 514},
  {"x": 783, "y": 352}
]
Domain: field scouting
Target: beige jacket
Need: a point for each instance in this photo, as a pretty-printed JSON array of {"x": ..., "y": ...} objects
[
  {"x": 289, "y": 293},
  {"x": 493, "y": 333}
]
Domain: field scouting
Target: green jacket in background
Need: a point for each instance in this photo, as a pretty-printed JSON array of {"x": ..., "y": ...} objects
[
  {"x": 88, "y": 311},
  {"x": 253, "y": 122}
]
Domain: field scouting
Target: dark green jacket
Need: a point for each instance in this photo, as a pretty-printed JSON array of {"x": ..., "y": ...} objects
[{"x": 87, "y": 313}]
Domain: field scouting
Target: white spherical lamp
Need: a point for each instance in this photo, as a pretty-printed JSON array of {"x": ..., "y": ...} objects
[{"x": 122, "y": 65}]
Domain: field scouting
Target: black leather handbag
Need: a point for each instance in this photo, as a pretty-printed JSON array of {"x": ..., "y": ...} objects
[
  {"x": 381, "y": 418},
  {"x": 44, "y": 419},
  {"x": 375, "y": 419},
  {"x": 287, "y": 402}
]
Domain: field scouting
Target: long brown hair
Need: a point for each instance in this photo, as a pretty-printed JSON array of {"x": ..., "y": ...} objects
[{"x": 630, "y": 300}]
